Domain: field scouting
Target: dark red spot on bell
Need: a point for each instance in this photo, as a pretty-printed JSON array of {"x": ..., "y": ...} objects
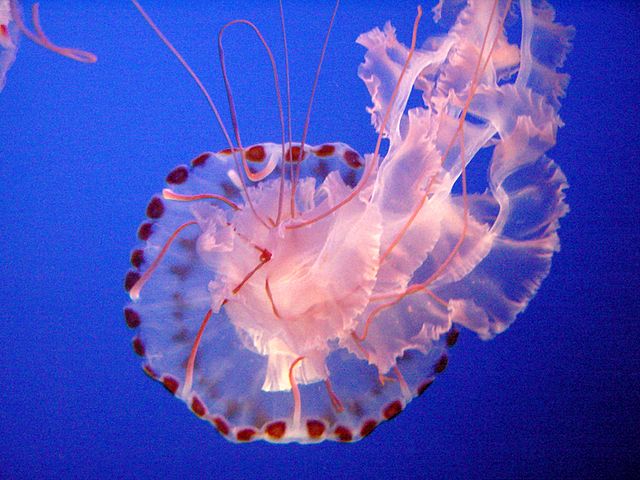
[
  {"x": 368, "y": 427},
  {"x": 138, "y": 346},
  {"x": 181, "y": 271},
  {"x": 276, "y": 429},
  {"x": 229, "y": 189},
  {"x": 245, "y": 435},
  {"x": 171, "y": 384},
  {"x": 200, "y": 160},
  {"x": 198, "y": 407},
  {"x": 255, "y": 153},
  {"x": 182, "y": 336},
  {"x": 315, "y": 428},
  {"x": 352, "y": 159},
  {"x": 189, "y": 244},
  {"x": 343, "y": 434},
  {"x": 355, "y": 408},
  {"x": 137, "y": 258},
  {"x": 423, "y": 387},
  {"x": 131, "y": 317},
  {"x": 178, "y": 298},
  {"x": 4, "y": 31},
  {"x": 221, "y": 426},
  {"x": 150, "y": 371},
  {"x": 145, "y": 230},
  {"x": 321, "y": 169},
  {"x": 392, "y": 410},
  {"x": 452, "y": 337},
  {"x": 130, "y": 279},
  {"x": 293, "y": 155},
  {"x": 350, "y": 178},
  {"x": 155, "y": 209},
  {"x": 325, "y": 151},
  {"x": 441, "y": 364},
  {"x": 178, "y": 175}
]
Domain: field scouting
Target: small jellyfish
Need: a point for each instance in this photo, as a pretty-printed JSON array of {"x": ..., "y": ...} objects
[
  {"x": 306, "y": 292},
  {"x": 12, "y": 23}
]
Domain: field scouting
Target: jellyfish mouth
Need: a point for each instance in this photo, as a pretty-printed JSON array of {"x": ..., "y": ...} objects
[{"x": 289, "y": 293}]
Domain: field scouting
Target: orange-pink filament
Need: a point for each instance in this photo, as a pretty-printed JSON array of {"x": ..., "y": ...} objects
[
  {"x": 297, "y": 404},
  {"x": 335, "y": 401},
  {"x": 264, "y": 258},
  {"x": 134, "y": 293},
  {"x": 188, "y": 382},
  {"x": 169, "y": 194},
  {"x": 270, "y": 295},
  {"x": 403, "y": 383}
]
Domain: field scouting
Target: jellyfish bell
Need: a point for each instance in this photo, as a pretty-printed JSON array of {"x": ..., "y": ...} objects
[
  {"x": 298, "y": 292},
  {"x": 12, "y": 25}
]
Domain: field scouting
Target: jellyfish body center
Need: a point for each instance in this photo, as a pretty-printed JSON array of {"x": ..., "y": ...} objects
[{"x": 290, "y": 292}]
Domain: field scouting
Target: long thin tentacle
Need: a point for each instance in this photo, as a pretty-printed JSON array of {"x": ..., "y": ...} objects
[
  {"x": 288, "y": 83},
  {"x": 254, "y": 177},
  {"x": 307, "y": 119},
  {"x": 204, "y": 91}
]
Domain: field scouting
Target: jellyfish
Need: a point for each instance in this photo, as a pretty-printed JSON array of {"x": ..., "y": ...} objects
[
  {"x": 297, "y": 292},
  {"x": 12, "y": 23}
]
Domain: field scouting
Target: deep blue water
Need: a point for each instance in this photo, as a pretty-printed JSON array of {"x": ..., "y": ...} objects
[{"x": 82, "y": 148}]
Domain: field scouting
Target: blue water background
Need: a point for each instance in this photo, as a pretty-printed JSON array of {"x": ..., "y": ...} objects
[{"x": 82, "y": 149}]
